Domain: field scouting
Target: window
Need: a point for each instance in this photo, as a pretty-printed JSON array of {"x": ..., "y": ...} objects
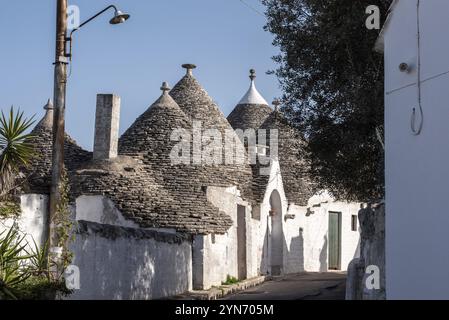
[{"x": 354, "y": 222}]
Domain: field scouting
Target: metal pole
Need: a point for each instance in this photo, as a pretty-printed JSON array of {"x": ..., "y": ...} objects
[{"x": 60, "y": 82}]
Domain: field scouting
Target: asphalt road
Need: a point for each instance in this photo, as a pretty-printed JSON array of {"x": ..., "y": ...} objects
[{"x": 303, "y": 286}]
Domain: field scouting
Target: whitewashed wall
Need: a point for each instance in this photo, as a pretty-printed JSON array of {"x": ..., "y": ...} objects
[
  {"x": 307, "y": 234},
  {"x": 102, "y": 210},
  {"x": 265, "y": 223},
  {"x": 416, "y": 170},
  {"x": 32, "y": 220},
  {"x": 305, "y": 246},
  {"x": 118, "y": 263},
  {"x": 217, "y": 254},
  {"x": 118, "y": 260}
]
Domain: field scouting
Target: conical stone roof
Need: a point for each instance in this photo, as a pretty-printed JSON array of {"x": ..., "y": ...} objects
[
  {"x": 297, "y": 186},
  {"x": 151, "y": 132},
  {"x": 196, "y": 103},
  {"x": 39, "y": 171},
  {"x": 252, "y": 110},
  {"x": 150, "y": 138}
]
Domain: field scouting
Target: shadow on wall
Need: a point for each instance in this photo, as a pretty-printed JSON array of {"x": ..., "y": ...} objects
[
  {"x": 357, "y": 250},
  {"x": 372, "y": 252},
  {"x": 120, "y": 263},
  {"x": 294, "y": 253},
  {"x": 264, "y": 265},
  {"x": 323, "y": 256}
]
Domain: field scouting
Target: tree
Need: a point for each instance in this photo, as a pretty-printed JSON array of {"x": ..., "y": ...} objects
[
  {"x": 333, "y": 89},
  {"x": 15, "y": 148}
]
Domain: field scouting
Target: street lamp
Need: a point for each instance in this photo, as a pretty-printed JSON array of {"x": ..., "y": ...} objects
[
  {"x": 119, "y": 17},
  {"x": 60, "y": 86}
]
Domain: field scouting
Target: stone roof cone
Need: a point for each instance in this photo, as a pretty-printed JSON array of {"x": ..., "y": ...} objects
[
  {"x": 253, "y": 96},
  {"x": 150, "y": 138},
  {"x": 39, "y": 170},
  {"x": 199, "y": 106},
  {"x": 252, "y": 110},
  {"x": 47, "y": 120},
  {"x": 196, "y": 102},
  {"x": 150, "y": 133},
  {"x": 291, "y": 148}
]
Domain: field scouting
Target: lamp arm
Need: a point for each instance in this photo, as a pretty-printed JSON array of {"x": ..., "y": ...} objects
[
  {"x": 69, "y": 39},
  {"x": 92, "y": 18}
]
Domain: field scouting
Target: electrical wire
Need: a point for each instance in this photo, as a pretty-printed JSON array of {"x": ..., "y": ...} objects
[
  {"x": 417, "y": 130},
  {"x": 252, "y": 8},
  {"x": 70, "y": 70},
  {"x": 422, "y": 81}
]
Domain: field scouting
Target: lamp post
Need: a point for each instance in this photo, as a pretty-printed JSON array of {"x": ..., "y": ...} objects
[
  {"x": 60, "y": 83},
  {"x": 60, "y": 86}
]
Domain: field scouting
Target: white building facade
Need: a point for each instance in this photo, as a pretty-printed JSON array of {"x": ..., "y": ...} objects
[
  {"x": 416, "y": 153},
  {"x": 141, "y": 235}
]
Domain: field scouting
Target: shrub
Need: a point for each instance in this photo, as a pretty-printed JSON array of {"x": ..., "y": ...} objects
[
  {"x": 230, "y": 280},
  {"x": 24, "y": 272}
]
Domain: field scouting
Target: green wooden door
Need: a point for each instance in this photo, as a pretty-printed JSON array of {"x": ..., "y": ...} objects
[{"x": 334, "y": 240}]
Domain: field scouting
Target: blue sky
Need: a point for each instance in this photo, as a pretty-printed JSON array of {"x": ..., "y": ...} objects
[{"x": 224, "y": 38}]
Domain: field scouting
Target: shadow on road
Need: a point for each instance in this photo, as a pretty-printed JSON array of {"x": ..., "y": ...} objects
[{"x": 302, "y": 286}]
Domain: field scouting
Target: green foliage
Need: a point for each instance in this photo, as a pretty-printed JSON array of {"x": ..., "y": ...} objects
[
  {"x": 24, "y": 272},
  {"x": 63, "y": 226},
  {"x": 15, "y": 147},
  {"x": 41, "y": 288},
  {"x": 230, "y": 280},
  {"x": 9, "y": 209},
  {"x": 13, "y": 270},
  {"x": 39, "y": 260},
  {"x": 333, "y": 89}
]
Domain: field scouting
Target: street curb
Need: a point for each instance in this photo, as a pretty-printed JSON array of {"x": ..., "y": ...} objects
[{"x": 215, "y": 293}]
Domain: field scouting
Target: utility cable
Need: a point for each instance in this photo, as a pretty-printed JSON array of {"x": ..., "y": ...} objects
[
  {"x": 416, "y": 130},
  {"x": 252, "y": 8}
]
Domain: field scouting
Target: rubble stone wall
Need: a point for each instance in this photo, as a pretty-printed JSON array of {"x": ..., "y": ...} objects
[{"x": 372, "y": 253}]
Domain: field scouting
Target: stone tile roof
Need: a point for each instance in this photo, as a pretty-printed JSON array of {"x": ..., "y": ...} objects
[
  {"x": 136, "y": 192},
  {"x": 294, "y": 170},
  {"x": 252, "y": 110},
  {"x": 39, "y": 171},
  {"x": 152, "y": 191},
  {"x": 149, "y": 138},
  {"x": 196, "y": 103},
  {"x": 151, "y": 132},
  {"x": 249, "y": 116}
]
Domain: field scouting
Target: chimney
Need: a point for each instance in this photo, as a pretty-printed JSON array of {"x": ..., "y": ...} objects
[{"x": 107, "y": 120}]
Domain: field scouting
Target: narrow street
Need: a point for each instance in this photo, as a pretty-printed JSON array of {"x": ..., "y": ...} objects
[{"x": 303, "y": 286}]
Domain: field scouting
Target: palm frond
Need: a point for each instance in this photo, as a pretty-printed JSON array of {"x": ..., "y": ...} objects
[{"x": 16, "y": 149}]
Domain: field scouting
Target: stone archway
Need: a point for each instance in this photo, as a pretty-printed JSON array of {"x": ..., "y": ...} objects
[{"x": 277, "y": 234}]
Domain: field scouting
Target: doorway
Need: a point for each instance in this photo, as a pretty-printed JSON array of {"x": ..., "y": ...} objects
[
  {"x": 334, "y": 231},
  {"x": 241, "y": 242},
  {"x": 277, "y": 234}
]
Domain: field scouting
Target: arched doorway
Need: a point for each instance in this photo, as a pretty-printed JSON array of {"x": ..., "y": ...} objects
[{"x": 277, "y": 234}]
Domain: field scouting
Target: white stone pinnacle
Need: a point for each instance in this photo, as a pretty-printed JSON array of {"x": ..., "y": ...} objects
[{"x": 253, "y": 96}]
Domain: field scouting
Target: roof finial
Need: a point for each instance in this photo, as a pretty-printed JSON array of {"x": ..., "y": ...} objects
[
  {"x": 276, "y": 103},
  {"x": 47, "y": 120},
  {"x": 49, "y": 105},
  {"x": 165, "y": 88},
  {"x": 252, "y": 74},
  {"x": 252, "y": 96},
  {"x": 189, "y": 67}
]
